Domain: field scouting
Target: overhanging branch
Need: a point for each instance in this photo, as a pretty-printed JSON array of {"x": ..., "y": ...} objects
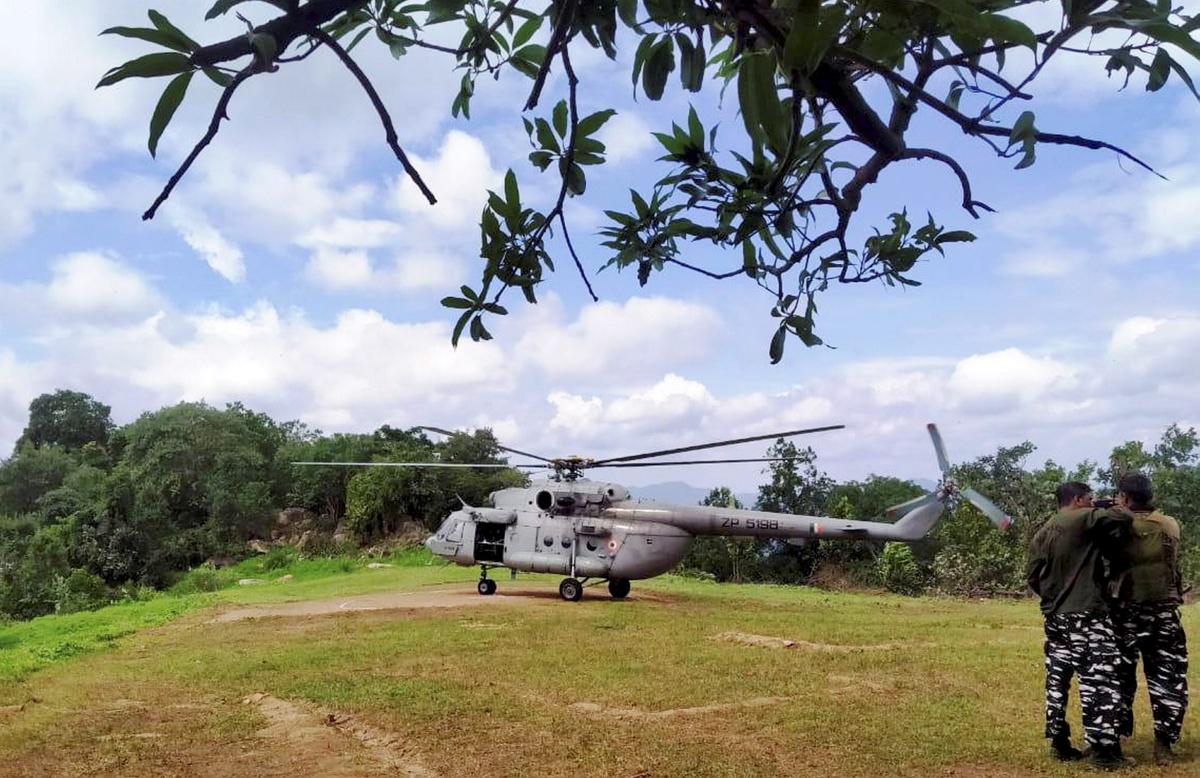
[{"x": 393, "y": 140}]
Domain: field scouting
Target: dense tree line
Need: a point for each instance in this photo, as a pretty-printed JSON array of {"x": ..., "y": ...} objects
[{"x": 89, "y": 509}]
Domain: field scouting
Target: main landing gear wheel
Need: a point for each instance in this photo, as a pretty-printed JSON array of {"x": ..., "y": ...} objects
[
  {"x": 618, "y": 588},
  {"x": 486, "y": 586},
  {"x": 570, "y": 590}
]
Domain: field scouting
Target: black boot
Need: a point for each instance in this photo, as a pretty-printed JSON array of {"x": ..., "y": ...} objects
[
  {"x": 1108, "y": 758},
  {"x": 1164, "y": 754},
  {"x": 1061, "y": 748}
]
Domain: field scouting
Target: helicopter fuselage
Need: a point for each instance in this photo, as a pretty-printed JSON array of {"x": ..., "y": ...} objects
[{"x": 590, "y": 529}]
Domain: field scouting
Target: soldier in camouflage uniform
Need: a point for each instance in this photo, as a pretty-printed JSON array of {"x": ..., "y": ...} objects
[
  {"x": 1148, "y": 621},
  {"x": 1072, "y": 561}
]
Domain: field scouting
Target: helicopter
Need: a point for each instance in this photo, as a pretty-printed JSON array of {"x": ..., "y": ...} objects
[{"x": 595, "y": 532}]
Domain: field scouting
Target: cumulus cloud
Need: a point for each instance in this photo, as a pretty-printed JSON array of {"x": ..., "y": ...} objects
[
  {"x": 626, "y": 137},
  {"x": 222, "y": 256},
  {"x": 620, "y": 341},
  {"x": 459, "y": 176},
  {"x": 82, "y": 287}
]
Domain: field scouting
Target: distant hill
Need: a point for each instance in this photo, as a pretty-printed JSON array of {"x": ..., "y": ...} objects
[{"x": 682, "y": 493}]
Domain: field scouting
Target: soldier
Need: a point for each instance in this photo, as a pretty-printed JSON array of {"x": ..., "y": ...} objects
[
  {"x": 1148, "y": 624},
  {"x": 1072, "y": 560}
]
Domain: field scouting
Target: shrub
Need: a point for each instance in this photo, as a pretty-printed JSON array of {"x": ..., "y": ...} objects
[
  {"x": 204, "y": 578},
  {"x": 899, "y": 571},
  {"x": 79, "y": 591},
  {"x": 278, "y": 558}
]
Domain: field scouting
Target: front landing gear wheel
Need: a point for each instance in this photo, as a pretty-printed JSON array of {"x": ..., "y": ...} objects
[
  {"x": 487, "y": 586},
  {"x": 618, "y": 588},
  {"x": 570, "y": 590}
]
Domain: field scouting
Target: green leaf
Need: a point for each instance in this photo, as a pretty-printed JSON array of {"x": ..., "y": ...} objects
[
  {"x": 1160, "y": 68},
  {"x": 749, "y": 259},
  {"x": 955, "y": 236},
  {"x": 1003, "y": 29},
  {"x": 526, "y": 32},
  {"x": 1185, "y": 77},
  {"x": 155, "y": 36},
  {"x": 457, "y": 302},
  {"x": 883, "y": 46},
  {"x": 802, "y": 39},
  {"x": 511, "y": 193},
  {"x": 588, "y": 125},
  {"x": 469, "y": 292},
  {"x": 628, "y": 11},
  {"x": 777, "y": 344},
  {"x": 458, "y": 328},
  {"x": 658, "y": 68},
  {"x": 545, "y": 135},
  {"x": 222, "y": 6},
  {"x": 1022, "y": 128},
  {"x": 540, "y": 159},
  {"x": 217, "y": 77},
  {"x": 265, "y": 45},
  {"x": 148, "y": 66},
  {"x": 576, "y": 180},
  {"x": 695, "y": 128},
  {"x": 164, "y": 25},
  {"x": 560, "y": 116},
  {"x": 172, "y": 96}
]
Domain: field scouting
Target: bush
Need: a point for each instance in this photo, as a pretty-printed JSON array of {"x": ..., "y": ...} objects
[
  {"x": 204, "y": 578},
  {"x": 278, "y": 558},
  {"x": 79, "y": 591},
  {"x": 899, "y": 571}
]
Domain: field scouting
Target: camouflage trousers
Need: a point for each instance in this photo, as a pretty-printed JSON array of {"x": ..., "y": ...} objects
[
  {"x": 1083, "y": 645},
  {"x": 1153, "y": 631}
]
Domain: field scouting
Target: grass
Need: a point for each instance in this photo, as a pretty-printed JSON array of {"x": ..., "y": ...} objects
[
  {"x": 28, "y": 646},
  {"x": 489, "y": 689}
]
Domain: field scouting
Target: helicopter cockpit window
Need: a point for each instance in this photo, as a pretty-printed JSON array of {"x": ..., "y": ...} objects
[{"x": 455, "y": 531}]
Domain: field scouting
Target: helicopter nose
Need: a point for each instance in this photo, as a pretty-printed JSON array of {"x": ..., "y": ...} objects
[{"x": 429, "y": 543}]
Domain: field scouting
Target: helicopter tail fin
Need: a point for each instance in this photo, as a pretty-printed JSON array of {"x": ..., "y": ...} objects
[{"x": 918, "y": 517}]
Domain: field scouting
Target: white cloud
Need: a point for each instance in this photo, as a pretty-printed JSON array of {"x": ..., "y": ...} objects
[
  {"x": 93, "y": 285},
  {"x": 459, "y": 178},
  {"x": 223, "y": 257},
  {"x": 620, "y": 342},
  {"x": 1003, "y": 380},
  {"x": 626, "y": 137},
  {"x": 340, "y": 270}
]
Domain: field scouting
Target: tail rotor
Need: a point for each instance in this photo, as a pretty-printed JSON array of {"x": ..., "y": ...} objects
[{"x": 950, "y": 491}]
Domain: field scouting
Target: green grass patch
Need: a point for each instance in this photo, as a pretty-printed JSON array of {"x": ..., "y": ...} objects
[{"x": 32, "y": 645}]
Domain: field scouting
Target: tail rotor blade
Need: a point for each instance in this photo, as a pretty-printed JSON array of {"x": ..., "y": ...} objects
[
  {"x": 908, "y": 505},
  {"x": 939, "y": 448},
  {"x": 988, "y": 508}
]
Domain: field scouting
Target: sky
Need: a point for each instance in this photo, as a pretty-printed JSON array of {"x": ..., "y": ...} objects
[{"x": 296, "y": 269}]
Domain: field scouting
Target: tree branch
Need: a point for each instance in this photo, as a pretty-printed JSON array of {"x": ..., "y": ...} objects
[
  {"x": 219, "y": 113},
  {"x": 393, "y": 140},
  {"x": 969, "y": 203},
  {"x": 973, "y": 126},
  {"x": 574, "y": 256},
  {"x": 557, "y": 40},
  {"x": 284, "y": 29}
]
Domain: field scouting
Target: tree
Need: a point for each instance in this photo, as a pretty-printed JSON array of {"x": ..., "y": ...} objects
[
  {"x": 67, "y": 419},
  {"x": 724, "y": 558},
  {"x": 783, "y": 196}
]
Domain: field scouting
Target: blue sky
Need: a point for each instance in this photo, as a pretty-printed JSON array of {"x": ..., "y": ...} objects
[{"x": 296, "y": 271}]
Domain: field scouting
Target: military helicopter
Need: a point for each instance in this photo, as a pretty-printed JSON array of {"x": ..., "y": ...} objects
[{"x": 594, "y": 531}]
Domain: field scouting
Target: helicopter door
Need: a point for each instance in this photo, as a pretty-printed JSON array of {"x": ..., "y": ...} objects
[{"x": 489, "y": 542}]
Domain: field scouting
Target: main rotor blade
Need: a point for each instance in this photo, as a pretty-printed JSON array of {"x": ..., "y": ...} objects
[
  {"x": 718, "y": 444},
  {"x": 689, "y": 462},
  {"x": 414, "y": 464},
  {"x": 939, "y": 448},
  {"x": 988, "y": 508},
  {"x": 448, "y": 433}
]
